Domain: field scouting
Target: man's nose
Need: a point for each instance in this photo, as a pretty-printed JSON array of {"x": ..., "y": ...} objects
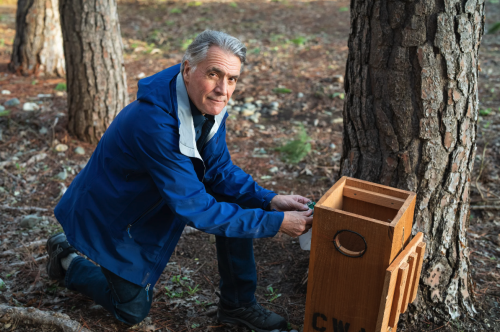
[{"x": 221, "y": 87}]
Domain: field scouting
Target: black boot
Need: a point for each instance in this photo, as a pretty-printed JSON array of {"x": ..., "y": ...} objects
[
  {"x": 57, "y": 247},
  {"x": 255, "y": 317}
]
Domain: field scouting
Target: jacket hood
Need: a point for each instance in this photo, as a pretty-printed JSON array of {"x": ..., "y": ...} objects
[{"x": 156, "y": 89}]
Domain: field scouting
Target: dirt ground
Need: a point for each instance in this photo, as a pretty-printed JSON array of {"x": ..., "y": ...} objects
[{"x": 295, "y": 45}]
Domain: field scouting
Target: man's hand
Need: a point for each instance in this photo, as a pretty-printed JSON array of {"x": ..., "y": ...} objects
[
  {"x": 296, "y": 223},
  {"x": 289, "y": 203}
]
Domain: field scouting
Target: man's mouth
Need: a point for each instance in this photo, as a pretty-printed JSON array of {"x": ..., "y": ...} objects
[{"x": 216, "y": 101}]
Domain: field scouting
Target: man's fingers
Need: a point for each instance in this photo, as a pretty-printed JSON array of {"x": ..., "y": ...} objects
[
  {"x": 309, "y": 221},
  {"x": 306, "y": 213},
  {"x": 302, "y": 199}
]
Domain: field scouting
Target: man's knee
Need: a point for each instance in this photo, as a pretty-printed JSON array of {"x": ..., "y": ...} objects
[{"x": 133, "y": 313}]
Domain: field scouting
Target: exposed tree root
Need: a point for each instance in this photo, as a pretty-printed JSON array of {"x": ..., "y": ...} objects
[
  {"x": 16, "y": 316},
  {"x": 23, "y": 208},
  {"x": 34, "y": 260}
]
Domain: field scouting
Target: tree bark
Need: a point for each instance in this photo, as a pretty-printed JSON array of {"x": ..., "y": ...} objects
[
  {"x": 38, "y": 45},
  {"x": 96, "y": 80},
  {"x": 410, "y": 122}
]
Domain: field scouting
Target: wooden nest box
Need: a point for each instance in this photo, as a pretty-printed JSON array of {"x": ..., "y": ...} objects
[{"x": 363, "y": 269}]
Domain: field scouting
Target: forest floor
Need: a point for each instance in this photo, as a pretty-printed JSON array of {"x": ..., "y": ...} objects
[{"x": 297, "y": 53}]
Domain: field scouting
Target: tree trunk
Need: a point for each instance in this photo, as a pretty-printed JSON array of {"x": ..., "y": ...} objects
[
  {"x": 410, "y": 122},
  {"x": 38, "y": 45},
  {"x": 96, "y": 80}
]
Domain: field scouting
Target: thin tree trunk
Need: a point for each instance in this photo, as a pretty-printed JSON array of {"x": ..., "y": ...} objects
[
  {"x": 96, "y": 80},
  {"x": 410, "y": 122},
  {"x": 38, "y": 45}
]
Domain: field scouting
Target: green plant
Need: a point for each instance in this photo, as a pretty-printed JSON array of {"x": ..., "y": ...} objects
[
  {"x": 172, "y": 294},
  {"x": 185, "y": 43},
  {"x": 233, "y": 4},
  {"x": 282, "y": 90},
  {"x": 273, "y": 294},
  {"x": 299, "y": 41},
  {"x": 194, "y": 325},
  {"x": 485, "y": 112},
  {"x": 175, "y": 10},
  {"x": 276, "y": 37},
  {"x": 176, "y": 279},
  {"x": 51, "y": 289},
  {"x": 255, "y": 51},
  {"x": 192, "y": 291},
  {"x": 150, "y": 47},
  {"x": 495, "y": 28},
  {"x": 343, "y": 9},
  {"x": 487, "y": 125},
  {"x": 195, "y": 4},
  {"x": 203, "y": 304},
  {"x": 341, "y": 95},
  {"x": 4, "y": 113},
  {"x": 297, "y": 149},
  {"x": 60, "y": 87}
]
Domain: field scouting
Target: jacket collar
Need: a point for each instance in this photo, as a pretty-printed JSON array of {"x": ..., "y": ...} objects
[{"x": 187, "y": 141}]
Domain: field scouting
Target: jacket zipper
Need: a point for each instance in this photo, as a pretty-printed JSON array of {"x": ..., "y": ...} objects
[
  {"x": 147, "y": 291},
  {"x": 142, "y": 216}
]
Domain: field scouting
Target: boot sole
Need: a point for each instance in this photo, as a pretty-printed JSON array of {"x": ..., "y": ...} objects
[{"x": 239, "y": 322}]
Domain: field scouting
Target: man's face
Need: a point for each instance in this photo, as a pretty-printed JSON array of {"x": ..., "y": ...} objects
[{"x": 212, "y": 83}]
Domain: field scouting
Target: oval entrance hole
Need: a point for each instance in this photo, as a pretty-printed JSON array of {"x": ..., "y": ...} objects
[{"x": 350, "y": 243}]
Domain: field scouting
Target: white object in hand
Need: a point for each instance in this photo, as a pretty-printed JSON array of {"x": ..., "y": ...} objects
[{"x": 305, "y": 240}]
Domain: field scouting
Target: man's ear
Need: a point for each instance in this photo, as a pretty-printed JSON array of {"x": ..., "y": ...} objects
[{"x": 186, "y": 72}]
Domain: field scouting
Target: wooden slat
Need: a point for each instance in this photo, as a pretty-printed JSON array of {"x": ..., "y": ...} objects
[
  {"x": 373, "y": 197},
  {"x": 390, "y": 283},
  {"x": 369, "y": 210},
  {"x": 416, "y": 278},
  {"x": 398, "y": 295},
  {"x": 378, "y": 188},
  {"x": 412, "y": 261}
]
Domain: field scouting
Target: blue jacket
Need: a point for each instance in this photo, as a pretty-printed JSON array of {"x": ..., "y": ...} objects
[{"x": 146, "y": 180}]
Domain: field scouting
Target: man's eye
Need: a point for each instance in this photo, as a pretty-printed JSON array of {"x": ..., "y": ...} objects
[{"x": 212, "y": 75}]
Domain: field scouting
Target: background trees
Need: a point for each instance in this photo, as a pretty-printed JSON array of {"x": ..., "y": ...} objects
[
  {"x": 96, "y": 79},
  {"x": 410, "y": 122},
  {"x": 38, "y": 47}
]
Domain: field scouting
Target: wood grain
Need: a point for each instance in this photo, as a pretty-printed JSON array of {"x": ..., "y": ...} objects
[
  {"x": 412, "y": 261},
  {"x": 334, "y": 196},
  {"x": 390, "y": 283},
  {"x": 374, "y": 198},
  {"x": 377, "y": 188},
  {"x": 416, "y": 278},
  {"x": 369, "y": 210},
  {"x": 398, "y": 294}
]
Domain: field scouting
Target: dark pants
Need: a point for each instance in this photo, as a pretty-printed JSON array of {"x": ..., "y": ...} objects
[{"x": 130, "y": 303}]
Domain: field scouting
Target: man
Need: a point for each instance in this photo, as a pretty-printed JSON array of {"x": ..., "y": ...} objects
[{"x": 162, "y": 164}]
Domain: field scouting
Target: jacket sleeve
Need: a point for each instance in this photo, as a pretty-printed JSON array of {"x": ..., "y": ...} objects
[
  {"x": 155, "y": 144},
  {"x": 225, "y": 178}
]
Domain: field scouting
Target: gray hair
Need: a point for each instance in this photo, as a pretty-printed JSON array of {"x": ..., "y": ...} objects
[{"x": 197, "y": 51}]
